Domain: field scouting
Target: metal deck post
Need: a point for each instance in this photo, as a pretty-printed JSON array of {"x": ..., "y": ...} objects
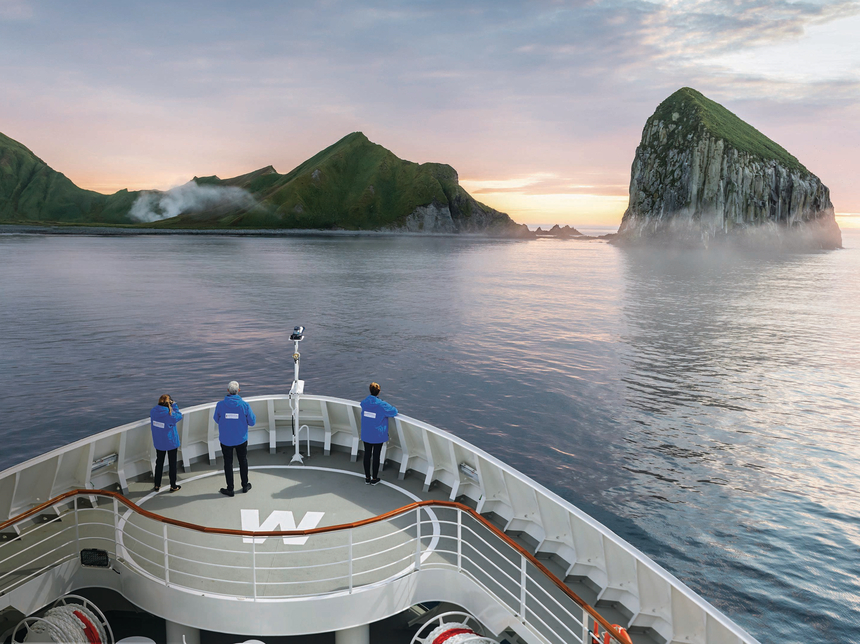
[
  {"x": 350, "y": 559},
  {"x": 523, "y": 578},
  {"x": 77, "y": 530},
  {"x": 166, "y": 566},
  {"x": 418, "y": 538},
  {"x": 115, "y": 522},
  {"x": 459, "y": 540},
  {"x": 585, "y": 633},
  {"x": 254, "y": 566}
]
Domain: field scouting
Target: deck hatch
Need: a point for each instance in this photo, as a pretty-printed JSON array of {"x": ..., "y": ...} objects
[{"x": 95, "y": 558}]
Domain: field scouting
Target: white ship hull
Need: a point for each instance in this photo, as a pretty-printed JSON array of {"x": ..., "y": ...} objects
[{"x": 512, "y": 553}]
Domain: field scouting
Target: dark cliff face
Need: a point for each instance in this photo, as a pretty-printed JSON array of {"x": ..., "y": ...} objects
[{"x": 701, "y": 175}]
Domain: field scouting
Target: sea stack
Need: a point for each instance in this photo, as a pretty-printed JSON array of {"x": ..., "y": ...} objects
[{"x": 701, "y": 175}]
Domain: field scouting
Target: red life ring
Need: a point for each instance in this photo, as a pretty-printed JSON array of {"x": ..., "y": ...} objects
[
  {"x": 90, "y": 630},
  {"x": 444, "y": 637}
]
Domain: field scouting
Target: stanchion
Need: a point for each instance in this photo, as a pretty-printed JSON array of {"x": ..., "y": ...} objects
[{"x": 296, "y": 391}]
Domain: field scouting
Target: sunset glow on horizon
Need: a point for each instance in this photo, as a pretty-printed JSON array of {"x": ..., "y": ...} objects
[
  {"x": 538, "y": 106},
  {"x": 848, "y": 220},
  {"x": 528, "y": 204}
]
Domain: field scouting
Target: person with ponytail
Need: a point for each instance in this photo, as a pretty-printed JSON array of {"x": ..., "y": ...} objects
[
  {"x": 162, "y": 420},
  {"x": 375, "y": 413}
]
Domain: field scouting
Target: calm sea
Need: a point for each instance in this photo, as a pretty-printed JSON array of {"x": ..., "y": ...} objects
[{"x": 704, "y": 406}]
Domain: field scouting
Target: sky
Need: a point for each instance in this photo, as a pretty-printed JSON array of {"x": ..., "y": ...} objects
[{"x": 538, "y": 105}]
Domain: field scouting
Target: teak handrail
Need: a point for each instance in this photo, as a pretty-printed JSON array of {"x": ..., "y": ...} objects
[{"x": 612, "y": 629}]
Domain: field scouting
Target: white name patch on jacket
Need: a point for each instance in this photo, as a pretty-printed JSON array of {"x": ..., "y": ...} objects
[
  {"x": 231, "y": 416},
  {"x": 370, "y": 414},
  {"x": 155, "y": 423}
]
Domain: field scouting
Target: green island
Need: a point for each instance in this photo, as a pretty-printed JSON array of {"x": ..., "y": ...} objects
[
  {"x": 354, "y": 184},
  {"x": 698, "y": 111}
]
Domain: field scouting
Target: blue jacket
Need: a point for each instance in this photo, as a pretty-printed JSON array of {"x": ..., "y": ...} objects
[
  {"x": 374, "y": 419},
  {"x": 163, "y": 421},
  {"x": 233, "y": 416}
]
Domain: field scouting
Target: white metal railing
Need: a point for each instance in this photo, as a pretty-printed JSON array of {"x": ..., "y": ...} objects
[
  {"x": 623, "y": 575},
  {"x": 337, "y": 559}
]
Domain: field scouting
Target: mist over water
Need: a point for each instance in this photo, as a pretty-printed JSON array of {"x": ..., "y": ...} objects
[{"x": 704, "y": 406}]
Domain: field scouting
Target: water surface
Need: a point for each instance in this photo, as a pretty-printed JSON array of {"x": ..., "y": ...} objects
[{"x": 703, "y": 406}]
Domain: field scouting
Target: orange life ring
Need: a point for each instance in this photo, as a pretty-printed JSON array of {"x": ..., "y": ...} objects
[
  {"x": 625, "y": 638},
  {"x": 607, "y": 636}
]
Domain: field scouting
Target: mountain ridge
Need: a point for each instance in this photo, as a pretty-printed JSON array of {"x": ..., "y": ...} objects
[
  {"x": 28, "y": 186},
  {"x": 353, "y": 184}
]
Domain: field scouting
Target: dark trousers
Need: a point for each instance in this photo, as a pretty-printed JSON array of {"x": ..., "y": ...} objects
[
  {"x": 372, "y": 451},
  {"x": 242, "y": 455},
  {"x": 171, "y": 466}
]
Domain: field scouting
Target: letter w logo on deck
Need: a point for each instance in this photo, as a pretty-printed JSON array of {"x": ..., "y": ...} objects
[{"x": 279, "y": 520}]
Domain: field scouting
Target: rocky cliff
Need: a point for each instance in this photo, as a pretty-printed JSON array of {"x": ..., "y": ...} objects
[
  {"x": 457, "y": 211},
  {"x": 702, "y": 175}
]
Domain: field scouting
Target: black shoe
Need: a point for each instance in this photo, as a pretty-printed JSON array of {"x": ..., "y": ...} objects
[
  {"x": 368, "y": 481},
  {"x": 375, "y": 481},
  {"x": 175, "y": 488},
  {"x": 226, "y": 491},
  {"x": 247, "y": 487},
  {"x": 156, "y": 488}
]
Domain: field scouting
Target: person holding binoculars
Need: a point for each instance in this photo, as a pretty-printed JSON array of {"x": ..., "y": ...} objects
[{"x": 162, "y": 420}]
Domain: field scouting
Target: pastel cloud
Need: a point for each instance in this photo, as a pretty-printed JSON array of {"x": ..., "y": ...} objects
[{"x": 147, "y": 95}]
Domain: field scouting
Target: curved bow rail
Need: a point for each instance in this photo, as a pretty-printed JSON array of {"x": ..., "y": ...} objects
[
  {"x": 65, "y": 540},
  {"x": 587, "y": 551}
]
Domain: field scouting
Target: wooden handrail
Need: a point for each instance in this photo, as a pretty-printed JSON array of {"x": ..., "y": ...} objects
[{"x": 612, "y": 629}]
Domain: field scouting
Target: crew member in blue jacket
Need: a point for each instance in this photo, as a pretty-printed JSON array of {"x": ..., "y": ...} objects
[
  {"x": 162, "y": 420},
  {"x": 234, "y": 416},
  {"x": 374, "y": 431}
]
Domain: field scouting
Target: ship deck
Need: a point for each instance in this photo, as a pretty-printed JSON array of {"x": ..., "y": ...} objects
[
  {"x": 325, "y": 490},
  {"x": 524, "y": 561}
]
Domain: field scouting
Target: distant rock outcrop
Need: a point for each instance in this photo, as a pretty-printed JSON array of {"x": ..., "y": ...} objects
[
  {"x": 559, "y": 232},
  {"x": 701, "y": 175}
]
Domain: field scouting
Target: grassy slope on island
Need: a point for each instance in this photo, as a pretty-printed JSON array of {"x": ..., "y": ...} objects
[
  {"x": 725, "y": 125},
  {"x": 353, "y": 184},
  {"x": 31, "y": 191}
]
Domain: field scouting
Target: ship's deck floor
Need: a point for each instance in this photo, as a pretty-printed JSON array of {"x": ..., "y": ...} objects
[
  {"x": 324, "y": 491},
  {"x": 332, "y": 486}
]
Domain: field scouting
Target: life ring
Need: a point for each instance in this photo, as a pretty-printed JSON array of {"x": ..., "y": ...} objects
[
  {"x": 454, "y": 633},
  {"x": 607, "y": 636}
]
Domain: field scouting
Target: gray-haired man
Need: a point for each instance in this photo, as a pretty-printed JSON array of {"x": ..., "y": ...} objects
[{"x": 234, "y": 416}]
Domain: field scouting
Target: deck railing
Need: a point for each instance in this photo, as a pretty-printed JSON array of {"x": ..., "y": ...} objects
[
  {"x": 622, "y": 576},
  {"x": 283, "y": 565}
]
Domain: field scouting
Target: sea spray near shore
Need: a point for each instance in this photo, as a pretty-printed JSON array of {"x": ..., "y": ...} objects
[
  {"x": 353, "y": 184},
  {"x": 189, "y": 198}
]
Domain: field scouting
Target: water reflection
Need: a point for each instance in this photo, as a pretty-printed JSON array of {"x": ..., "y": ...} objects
[
  {"x": 740, "y": 433},
  {"x": 703, "y": 406}
]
